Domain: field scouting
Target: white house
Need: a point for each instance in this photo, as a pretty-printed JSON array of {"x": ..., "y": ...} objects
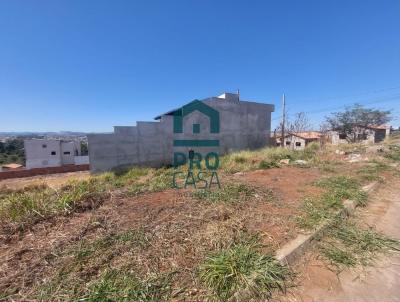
[{"x": 42, "y": 153}]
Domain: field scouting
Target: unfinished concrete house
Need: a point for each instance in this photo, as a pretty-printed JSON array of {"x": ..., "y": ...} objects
[
  {"x": 368, "y": 135},
  {"x": 43, "y": 153},
  {"x": 219, "y": 124}
]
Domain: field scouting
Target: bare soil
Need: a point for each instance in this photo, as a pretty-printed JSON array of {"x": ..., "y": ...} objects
[
  {"x": 379, "y": 283},
  {"x": 52, "y": 180},
  {"x": 182, "y": 231}
]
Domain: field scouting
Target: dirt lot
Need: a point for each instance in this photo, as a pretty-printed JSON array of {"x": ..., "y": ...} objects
[
  {"x": 159, "y": 235},
  {"x": 52, "y": 180},
  {"x": 183, "y": 230}
]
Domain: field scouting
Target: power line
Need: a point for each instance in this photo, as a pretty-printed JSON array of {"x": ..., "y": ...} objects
[
  {"x": 351, "y": 96},
  {"x": 376, "y": 101}
]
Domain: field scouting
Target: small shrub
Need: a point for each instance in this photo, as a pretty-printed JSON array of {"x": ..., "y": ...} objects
[
  {"x": 311, "y": 150},
  {"x": 268, "y": 165}
]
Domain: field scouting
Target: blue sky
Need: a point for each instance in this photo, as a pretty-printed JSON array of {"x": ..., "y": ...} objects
[{"x": 88, "y": 65}]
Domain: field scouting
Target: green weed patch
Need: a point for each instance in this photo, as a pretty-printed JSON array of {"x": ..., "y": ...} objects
[
  {"x": 338, "y": 189},
  {"x": 230, "y": 270},
  {"x": 348, "y": 245}
]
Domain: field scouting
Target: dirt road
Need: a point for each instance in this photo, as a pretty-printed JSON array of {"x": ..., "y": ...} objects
[{"x": 380, "y": 283}]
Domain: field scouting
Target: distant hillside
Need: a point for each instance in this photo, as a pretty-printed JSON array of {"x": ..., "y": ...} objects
[{"x": 50, "y": 133}]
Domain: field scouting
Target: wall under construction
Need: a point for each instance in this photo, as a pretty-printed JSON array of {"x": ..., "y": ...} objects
[{"x": 243, "y": 125}]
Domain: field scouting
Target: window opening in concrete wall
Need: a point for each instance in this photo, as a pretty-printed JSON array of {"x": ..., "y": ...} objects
[
  {"x": 298, "y": 144},
  {"x": 196, "y": 128},
  {"x": 53, "y": 153},
  {"x": 44, "y": 146},
  {"x": 67, "y": 153}
]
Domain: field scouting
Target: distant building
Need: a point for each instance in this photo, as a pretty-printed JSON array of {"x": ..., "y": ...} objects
[
  {"x": 42, "y": 153},
  {"x": 370, "y": 134},
  {"x": 299, "y": 140}
]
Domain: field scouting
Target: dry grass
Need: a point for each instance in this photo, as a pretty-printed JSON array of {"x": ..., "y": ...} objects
[
  {"x": 32, "y": 204},
  {"x": 265, "y": 158},
  {"x": 348, "y": 245},
  {"x": 192, "y": 247}
]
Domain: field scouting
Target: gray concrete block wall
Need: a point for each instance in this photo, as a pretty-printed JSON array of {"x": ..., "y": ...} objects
[{"x": 243, "y": 125}]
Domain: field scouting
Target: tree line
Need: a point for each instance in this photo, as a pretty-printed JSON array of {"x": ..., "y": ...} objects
[{"x": 12, "y": 151}]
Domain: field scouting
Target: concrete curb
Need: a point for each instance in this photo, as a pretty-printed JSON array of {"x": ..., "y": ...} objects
[{"x": 291, "y": 251}]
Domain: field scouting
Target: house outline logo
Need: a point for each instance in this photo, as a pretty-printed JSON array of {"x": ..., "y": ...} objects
[{"x": 213, "y": 116}]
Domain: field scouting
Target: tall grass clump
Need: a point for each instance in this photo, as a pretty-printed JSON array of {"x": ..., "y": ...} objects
[
  {"x": 25, "y": 206},
  {"x": 125, "y": 177},
  {"x": 242, "y": 266},
  {"x": 265, "y": 158},
  {"x": 311, "y": 150},
  {"x": 33, "y": 204},
  {"x": 156, "y": 180},
  {"x": 348, "y": 245},
  {"x": 80, "y": 195}
]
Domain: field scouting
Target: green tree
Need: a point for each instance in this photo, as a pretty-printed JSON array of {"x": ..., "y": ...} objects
[
  {"x": 12, "y": 151},
  {"x": 84, "y": 148},
  {"x": 354, "y": 120}
]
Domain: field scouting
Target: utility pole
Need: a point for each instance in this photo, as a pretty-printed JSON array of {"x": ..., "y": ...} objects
[{"x": 283, "y": 121}]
